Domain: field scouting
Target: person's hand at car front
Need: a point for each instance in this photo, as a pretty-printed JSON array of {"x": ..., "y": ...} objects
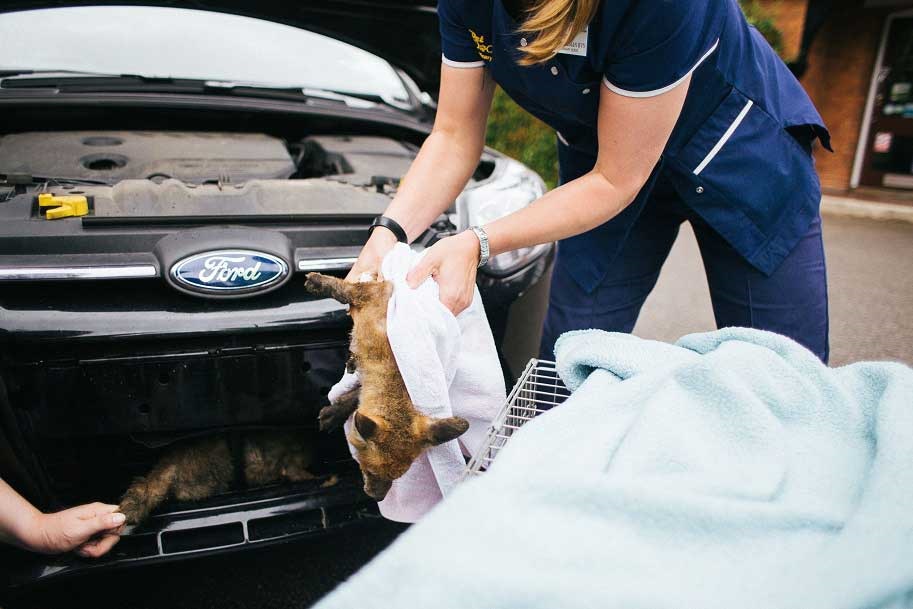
[
  {"x": 372, "y": 254},
  {"x": 90, "y": 530},
  {"x": 454, "y": 258},
  {"x": 453, "y": 263}
]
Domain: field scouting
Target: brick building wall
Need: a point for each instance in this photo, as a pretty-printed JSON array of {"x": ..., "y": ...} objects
[
  {"x": 840, "y": 65},
  {"x": 789, "y": 15}
]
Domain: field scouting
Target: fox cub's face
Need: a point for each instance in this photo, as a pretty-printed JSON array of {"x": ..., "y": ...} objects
[{"x": 385, "y": 449}]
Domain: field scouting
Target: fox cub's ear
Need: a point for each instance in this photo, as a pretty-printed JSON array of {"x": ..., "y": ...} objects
[
  {"x": 444, "y": 430},
  {"x": 365, "y": 425}
]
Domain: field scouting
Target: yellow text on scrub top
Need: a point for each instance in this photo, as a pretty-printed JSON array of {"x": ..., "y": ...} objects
[{"x": 483, "y": 49}]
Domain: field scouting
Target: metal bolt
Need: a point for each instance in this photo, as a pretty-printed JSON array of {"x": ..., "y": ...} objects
[
  {"x": 554, "y": 71},
  {"x": 699, "y": 190}
]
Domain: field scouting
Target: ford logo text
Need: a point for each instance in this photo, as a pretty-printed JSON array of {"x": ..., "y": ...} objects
[{"x": 228, "y": 272}]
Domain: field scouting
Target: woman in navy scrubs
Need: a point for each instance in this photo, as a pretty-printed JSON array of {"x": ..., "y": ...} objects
[{"x": 665, "y": 111}]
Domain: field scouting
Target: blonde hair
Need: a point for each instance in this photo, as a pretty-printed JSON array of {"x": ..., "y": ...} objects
[{"x": 553, "y": 24}]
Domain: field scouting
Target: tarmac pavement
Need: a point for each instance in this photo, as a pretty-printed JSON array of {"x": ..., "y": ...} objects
[{"x": 870, "y": 288}]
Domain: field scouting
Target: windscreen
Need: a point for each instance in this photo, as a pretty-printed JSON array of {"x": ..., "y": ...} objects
[{"x": 184, "y": 43}]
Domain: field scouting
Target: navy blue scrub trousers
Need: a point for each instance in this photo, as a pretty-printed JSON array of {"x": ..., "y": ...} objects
[{"x": 791, "y": 302}]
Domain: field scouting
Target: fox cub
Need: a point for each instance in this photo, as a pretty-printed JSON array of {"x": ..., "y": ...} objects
[
  {"x": 389, "y": 433},
  {"x": 198, "y": 469}
]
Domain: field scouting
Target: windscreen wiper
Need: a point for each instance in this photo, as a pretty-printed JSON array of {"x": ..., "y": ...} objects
[
  {"x": 27, "y": 179},
  {"x": 62, "y": 80}
]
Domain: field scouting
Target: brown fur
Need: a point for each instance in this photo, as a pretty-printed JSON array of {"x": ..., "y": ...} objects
[
  {"x": 389, "y": 432},
  {"x": 199, "y": 469}
]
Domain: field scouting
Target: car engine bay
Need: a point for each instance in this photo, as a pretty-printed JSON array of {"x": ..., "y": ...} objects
[
  {"x": 161, "y": 173},
  {"x": 112, "y": 156}
]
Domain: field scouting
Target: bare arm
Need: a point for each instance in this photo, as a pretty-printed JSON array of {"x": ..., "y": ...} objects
[
  {"x": 89, "y": 529},
  {"x": 15, "y": 514},
  {"x": 443, "y": 165},
  {"x": 632, "y": 135}
]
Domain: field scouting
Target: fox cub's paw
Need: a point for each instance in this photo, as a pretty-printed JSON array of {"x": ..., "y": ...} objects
[
  {"x": 133, "y": 510},
  {"x": 318, "y": 283},
  {"x": 331, "y": 417}
]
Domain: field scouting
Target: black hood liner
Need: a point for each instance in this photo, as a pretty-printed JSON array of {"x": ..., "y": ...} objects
[{"x": 404, "y": 32}]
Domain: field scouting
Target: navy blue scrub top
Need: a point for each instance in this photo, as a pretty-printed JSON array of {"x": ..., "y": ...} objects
[{"x": 740, "y": 152}]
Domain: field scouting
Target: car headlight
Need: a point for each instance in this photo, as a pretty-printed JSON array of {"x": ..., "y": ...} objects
[{"x": 510, "y": 187}]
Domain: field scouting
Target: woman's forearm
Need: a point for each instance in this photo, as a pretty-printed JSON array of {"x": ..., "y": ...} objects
[
  {"x": 16, "y": 515},
  {"x": 632, "y": 134},
  {"x": 436, "y": 177},
  {"x": 571, "y": 209}
]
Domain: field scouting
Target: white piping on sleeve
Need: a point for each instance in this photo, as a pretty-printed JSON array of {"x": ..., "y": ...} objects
[
  {"x": 716, "y": 148},
  {"x": 561, "y": 138},
  {"x": 662, "y": 90},
  {"x": 462, "y": 64}
]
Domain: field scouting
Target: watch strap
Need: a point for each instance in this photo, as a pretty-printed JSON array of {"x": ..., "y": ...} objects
[
  {"x": 484, "y": 250},
  {"x": 390, "y": 224}
]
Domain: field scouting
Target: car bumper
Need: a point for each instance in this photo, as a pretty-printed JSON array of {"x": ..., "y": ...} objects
[{"x": 231, "y": 523}]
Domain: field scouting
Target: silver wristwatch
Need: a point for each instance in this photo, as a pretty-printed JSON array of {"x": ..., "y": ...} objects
[{"x": 483, "y": 244}]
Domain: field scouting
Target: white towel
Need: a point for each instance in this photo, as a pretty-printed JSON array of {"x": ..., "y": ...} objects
[{"x": 450, "y": 367}]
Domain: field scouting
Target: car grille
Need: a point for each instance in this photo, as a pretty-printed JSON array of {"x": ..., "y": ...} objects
[{"x": 92, "y": 425}]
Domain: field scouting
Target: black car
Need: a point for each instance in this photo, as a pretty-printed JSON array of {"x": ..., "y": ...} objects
[{"x": 167, "y": 176}]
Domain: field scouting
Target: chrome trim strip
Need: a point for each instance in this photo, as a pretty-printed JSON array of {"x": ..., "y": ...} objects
[
  {"x": 77, "y": 272},
  {"x": 327, "y": 264}
]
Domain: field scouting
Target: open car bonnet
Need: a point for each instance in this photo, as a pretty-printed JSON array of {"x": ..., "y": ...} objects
[{"x": 404, "y": 32}]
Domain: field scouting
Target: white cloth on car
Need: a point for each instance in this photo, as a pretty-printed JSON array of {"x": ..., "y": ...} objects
[{"x": 450, "y": 367}]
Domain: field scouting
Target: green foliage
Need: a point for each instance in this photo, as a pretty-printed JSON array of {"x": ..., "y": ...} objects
[
  {"x": 759, "y": 17},
  {"x": 518, "y": 134}
]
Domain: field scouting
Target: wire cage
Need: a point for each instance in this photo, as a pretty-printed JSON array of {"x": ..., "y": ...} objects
[{"x": 538, "y": 389}]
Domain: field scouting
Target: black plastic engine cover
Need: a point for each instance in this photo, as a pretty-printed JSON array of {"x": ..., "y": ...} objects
[{"x": 112, "y": 156}]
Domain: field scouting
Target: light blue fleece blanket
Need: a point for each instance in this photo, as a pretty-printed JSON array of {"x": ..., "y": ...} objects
[{"x": 732, "y": 469}]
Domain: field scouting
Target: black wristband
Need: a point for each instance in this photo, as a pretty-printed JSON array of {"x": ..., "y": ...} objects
[{"x": 392, "y": 225}]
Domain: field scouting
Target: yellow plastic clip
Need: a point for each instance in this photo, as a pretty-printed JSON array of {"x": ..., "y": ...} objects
[{"x": 64, "y": 206}]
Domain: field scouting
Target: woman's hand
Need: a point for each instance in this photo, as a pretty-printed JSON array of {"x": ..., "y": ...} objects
[
  {"x": 372, "y": 254},
  {"x": 452, "y": 262},
  {"x": 91, "y": 530}
]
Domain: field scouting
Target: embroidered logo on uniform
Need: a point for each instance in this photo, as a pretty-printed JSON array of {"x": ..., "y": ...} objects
[{"x": 483, "y": 49}]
